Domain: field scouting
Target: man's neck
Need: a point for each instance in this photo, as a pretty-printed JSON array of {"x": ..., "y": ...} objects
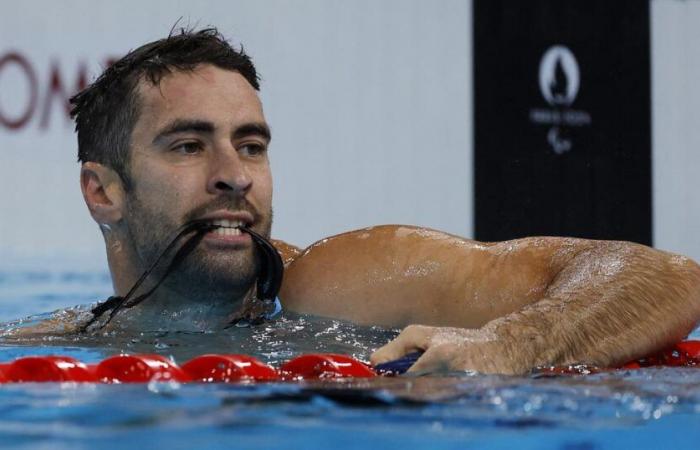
[{"x": 168, "y": 308}]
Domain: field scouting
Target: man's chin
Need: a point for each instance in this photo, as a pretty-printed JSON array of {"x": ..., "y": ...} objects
[{"x": 216, "y": 271}]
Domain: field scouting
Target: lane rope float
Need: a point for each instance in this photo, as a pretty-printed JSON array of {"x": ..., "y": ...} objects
[
  {"x": 211, "y": 368},
  {"x": 219, "y": 368}
]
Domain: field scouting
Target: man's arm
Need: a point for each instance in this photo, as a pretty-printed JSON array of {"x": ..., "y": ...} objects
[
  {"x": 503, "y": 307},
  {"x": 612, "y": 303}
]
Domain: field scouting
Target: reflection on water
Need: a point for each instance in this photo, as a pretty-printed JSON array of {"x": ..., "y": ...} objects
[{"x": 645, "y": 409}]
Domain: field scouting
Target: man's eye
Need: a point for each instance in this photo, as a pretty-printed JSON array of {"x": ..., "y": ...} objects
[
  {"x": 188, "y": 148},
  {"x": 252, "y": 149}
]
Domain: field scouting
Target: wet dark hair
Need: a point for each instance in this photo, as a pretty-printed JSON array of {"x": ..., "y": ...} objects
[{"x": 106, "y": 112}]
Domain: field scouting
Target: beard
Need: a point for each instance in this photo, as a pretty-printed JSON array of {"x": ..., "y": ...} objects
[{"x": 200, "y": 274}]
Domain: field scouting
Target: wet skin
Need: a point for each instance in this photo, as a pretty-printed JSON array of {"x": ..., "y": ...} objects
[
  {"x": 502, "y": 307},
  {"x": 199, "y": 150}
]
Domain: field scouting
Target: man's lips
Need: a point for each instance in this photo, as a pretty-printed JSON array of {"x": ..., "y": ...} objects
[{"x": 241, "y": 217}]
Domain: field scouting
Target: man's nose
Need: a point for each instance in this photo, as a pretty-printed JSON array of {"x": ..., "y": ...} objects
[{"x": 228, "y": 173}]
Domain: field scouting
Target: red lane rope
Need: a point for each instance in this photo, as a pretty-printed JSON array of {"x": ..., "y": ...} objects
[
  {"x": 215, "y": 368},
  {"x": 202, "y": 369},
  {"x": 682, "y": 354}
]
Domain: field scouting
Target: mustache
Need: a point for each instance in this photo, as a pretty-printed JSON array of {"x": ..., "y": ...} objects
[{"x": 227, "y": 204}]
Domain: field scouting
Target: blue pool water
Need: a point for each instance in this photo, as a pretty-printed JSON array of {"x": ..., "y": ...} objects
[{"x": 647, "y": 409}]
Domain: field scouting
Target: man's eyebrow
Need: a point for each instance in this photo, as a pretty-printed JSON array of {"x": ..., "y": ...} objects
[
  {"x": 253, "y": 128},
  {"x": 204, "y": 127},
  {"x": 184, "y": 126}
]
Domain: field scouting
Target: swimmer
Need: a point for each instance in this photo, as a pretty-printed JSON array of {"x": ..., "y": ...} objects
[{"x": 174, "y": 133}]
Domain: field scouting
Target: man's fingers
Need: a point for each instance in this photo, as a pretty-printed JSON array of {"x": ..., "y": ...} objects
[
  {"x": 412, "y": 338},
  {"x": 436, "y": 359},
  {"x": 473, "y": 357}
]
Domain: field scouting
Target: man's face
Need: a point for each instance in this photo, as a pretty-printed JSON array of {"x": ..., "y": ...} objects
[{"x": 199, "y": 151}]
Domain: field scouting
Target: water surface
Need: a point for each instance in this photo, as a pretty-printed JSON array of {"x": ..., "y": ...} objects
[{"x": 645, "y": 409}]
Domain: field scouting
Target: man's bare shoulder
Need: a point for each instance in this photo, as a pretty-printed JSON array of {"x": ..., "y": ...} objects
[
  {"x": 287, "y": 251},
  {"x": 398, "y": 274},
  {"x": 59, "y": 323},
  {"x": 373, "y": 275}
]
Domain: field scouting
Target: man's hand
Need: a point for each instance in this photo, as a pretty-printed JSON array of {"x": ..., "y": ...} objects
[{"x": 454, "y": 349}]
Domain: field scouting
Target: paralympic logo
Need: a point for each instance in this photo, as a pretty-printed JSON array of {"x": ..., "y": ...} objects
[
  {"x": 559, "y": 82},
  {"x": 559, "y": 76}
]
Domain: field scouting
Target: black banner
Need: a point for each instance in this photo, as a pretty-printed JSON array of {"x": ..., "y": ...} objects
[{"x": 562, "y": 119}]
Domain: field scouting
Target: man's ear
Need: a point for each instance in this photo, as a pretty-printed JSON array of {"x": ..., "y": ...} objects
[{"x": 103, "y": 191}]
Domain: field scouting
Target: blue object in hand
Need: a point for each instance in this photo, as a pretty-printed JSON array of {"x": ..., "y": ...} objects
[{"x": 398, "y": 366}]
